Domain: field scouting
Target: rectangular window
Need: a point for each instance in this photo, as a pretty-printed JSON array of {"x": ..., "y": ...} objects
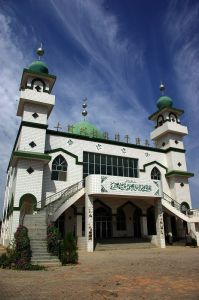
[{"x": 96, "y": 163}]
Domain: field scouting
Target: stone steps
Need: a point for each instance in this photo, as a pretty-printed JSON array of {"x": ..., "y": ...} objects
[
  {"x": 103, "y": 247},
  {"x": 81, "y": 243},
  {"x": 37, "y": 231}
]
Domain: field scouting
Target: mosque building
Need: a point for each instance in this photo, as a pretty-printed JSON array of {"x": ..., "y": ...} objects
[{"x": 98, "y": 189}]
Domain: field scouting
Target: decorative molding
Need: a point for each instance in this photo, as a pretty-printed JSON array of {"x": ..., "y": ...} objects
[
  {"x": 99, "y": 140},
  {"x": 33, "y": 155},
  {"x": 152, "y": 163},
  {"x": 171, "y": 109},
  {"x": 34, "y": 125},
  {"x": 67, "y": 152},
  {"x": 179, "y": 173}
]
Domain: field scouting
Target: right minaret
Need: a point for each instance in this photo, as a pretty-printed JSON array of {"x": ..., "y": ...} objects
[{"x": 168, "y": 136}]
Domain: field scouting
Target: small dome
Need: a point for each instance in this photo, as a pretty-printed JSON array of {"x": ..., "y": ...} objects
[
  {"x": 87, "y": 129},
  {"x": 164, "y": 101},
  {"x": 38, "y": 66}
]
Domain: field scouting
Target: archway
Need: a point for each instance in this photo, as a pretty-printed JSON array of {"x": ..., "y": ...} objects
[
  {"x": 27, "y": 205},
  {"x": 137, "y": 222},
  {"x": 102, "y": 222},
  {"x": 151, "y": 225}
]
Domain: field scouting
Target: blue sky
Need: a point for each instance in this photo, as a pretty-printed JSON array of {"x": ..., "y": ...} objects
[{"x": 115, "y": 53}]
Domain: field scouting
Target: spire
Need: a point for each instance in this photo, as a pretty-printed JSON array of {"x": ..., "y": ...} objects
[
  {"x": 84, "y": 106},
  {"x": 40, "y": 52},
  {"x": 163, "y": 101},
  {"x": 162, "y": 88}
]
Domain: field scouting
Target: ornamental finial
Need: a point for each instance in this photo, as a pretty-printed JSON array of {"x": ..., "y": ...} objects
[
  {"x": 84, "y": 106},
  {"x": 40, "y": 51},
  {"x": 162, "y": 88}
]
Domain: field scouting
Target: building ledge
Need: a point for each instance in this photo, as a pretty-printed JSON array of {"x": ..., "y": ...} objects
[
  {"x": 177, "y": 111},
  {"x": 179, "y": 173},
  {"x": 29, "y": 155}
]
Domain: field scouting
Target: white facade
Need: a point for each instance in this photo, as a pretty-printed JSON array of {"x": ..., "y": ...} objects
[{"x": 103, "y": 206}]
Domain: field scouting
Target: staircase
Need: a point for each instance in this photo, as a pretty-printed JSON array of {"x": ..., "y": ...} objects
[
  {"x": 37, "y": 229},
  {"x": 123, "y": 244},
  {"x": 173, "y": 206},
  {"x": 55, "y": 201},
  {"x": 37, "y": 224},
  {"x": 81, "y": 243}
]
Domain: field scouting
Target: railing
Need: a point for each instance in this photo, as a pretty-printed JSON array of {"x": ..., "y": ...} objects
[
  {"x": 193, "y": 213},
  {"x": 56, "y": 200},
  {"x": 171, "y": 201}
]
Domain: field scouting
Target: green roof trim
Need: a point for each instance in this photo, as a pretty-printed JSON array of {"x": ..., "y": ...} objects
[
  {"x": 25, "y": 70},
  {"x": 29, "y": 124},
  {"x": 34, "y": 125},
  {"x": 32, "y": 155},
  {"x": 67, "y": 152},
  {"x": 171, "y": 109},
  {"x": 111, "y": 142},
  {"x": 179, "y": 173},
  {"x": 153, "y": 163}
]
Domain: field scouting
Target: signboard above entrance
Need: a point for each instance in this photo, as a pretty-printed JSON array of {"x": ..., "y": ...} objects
[{"x": 115, "y": 185}]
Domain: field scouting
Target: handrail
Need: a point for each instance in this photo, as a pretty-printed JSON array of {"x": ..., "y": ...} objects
[
  {"x": 193, "y": 213},
  {"x": 171, "y": 201},
  {"x": 58, "y": 194}
]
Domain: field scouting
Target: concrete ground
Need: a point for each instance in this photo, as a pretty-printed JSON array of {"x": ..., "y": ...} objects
[{"x": 171, "y": 273}]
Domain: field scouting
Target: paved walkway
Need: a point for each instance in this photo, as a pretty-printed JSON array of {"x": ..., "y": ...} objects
[{"x": 171, "y": 273}]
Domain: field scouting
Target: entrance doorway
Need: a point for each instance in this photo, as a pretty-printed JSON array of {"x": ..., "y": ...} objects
[{"x": 102, "y": 223}]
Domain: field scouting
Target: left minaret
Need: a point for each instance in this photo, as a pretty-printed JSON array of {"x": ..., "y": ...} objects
[{"x": 25, "y": 171}]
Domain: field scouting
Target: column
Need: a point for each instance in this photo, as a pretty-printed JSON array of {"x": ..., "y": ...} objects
[
  {"x": 89, "y": 222},
  {"x": 79, "y": 222},
  {"x": 159, "y": 224},
  {"x": 144, "y": 228},
  {"x": 114, "y": 222},
  {"x": 169, "y": 229}
]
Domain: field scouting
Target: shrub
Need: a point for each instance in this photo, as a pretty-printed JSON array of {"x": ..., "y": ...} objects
[
  {"x": 22, "y": 253},
  {"x": 53, "y": 239},
  {"x": 19, "y": 253},
  {"x": 5, "y": 261},
  {"x": 68, "y": 249}
]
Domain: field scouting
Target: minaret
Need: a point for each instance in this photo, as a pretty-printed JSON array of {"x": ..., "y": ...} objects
[
  {"x": 168, "y": 136},
  {"x": 28, "y": 157}
]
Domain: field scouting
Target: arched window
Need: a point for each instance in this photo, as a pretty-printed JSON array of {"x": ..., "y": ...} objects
[
  {"x": 121, "y": 219},
  {"x": 172, "y": 117},
  {"x": 155, "y": 174},
  {"x": 160, "y": 120},
  {"x": 38, "y": 85},
  {"x": 184, "y": 207},
  {"x": 59, "y": 169}
]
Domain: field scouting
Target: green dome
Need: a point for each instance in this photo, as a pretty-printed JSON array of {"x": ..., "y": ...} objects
[
  {"x": 87, "y": 129},
  {"x": 164, "y": 101},
  {"x": 38, "y": 66}
]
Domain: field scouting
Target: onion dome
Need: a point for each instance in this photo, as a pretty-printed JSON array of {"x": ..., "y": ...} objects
[
  {"x": 164, "y": 101},
  {"x": 38, "y": 66},
  {"x": 87, "y": 129}
]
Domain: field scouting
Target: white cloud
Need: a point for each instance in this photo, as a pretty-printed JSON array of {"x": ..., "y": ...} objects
[
  {"x": 181, "y": 25},
  {"x": 11, "y": 62}
]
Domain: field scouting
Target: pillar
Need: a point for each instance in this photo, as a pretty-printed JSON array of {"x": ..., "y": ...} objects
[
  {"x": 89, "y": 224},
  {"x": 144, "y": 228},
  {"x": 79, "y": 222},
  {"x": 159, "y": 224}
]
